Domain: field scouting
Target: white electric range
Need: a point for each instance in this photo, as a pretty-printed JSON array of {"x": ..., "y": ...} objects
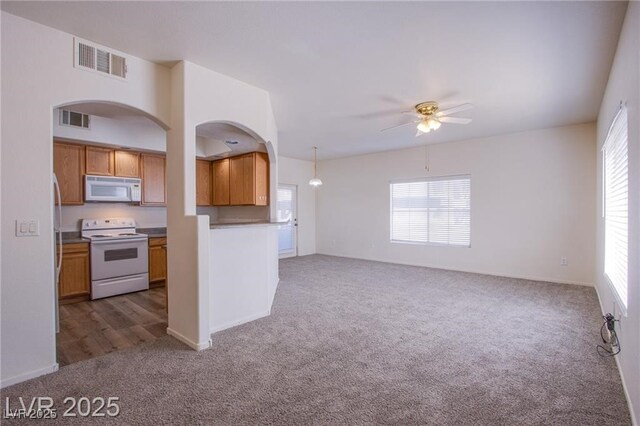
[{"x": 119, "y": 256}]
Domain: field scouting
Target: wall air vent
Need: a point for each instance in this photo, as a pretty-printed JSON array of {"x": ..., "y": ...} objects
[
  {"x": 92, "y": 57},
  {"x": 74, "y": 119}
]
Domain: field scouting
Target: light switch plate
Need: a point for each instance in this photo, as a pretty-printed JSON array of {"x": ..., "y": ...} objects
[{"x": 27, "y": 228}]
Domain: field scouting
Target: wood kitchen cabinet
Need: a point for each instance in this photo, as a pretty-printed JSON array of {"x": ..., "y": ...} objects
[
  {"x": 220, "y": 182},
  {"x": 157, "y": 261},
  {"x": 99, "y": 161},
  {"x": 203, "y": 183},
  {"x": 249, "y": 179},
  {"x": 154, "y": 179},
  {"x": 261, "y": 165},
  {"x": 68, "y": 165},
  {"x": 127, "y": 164},
  {"x": 75, "y": 281}
]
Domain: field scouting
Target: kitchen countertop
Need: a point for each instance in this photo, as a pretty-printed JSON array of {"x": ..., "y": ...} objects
[
  {"x": 153, "y": 232},
  {"x": 74, "y": 236},
  {"x": 71, "y": 237},
  {"x": 219, "y": 225}
]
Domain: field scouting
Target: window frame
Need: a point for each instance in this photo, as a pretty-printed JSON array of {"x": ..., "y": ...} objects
[
  {"x": 428, "y": 179},
  {"x": 622, "y": 304}
]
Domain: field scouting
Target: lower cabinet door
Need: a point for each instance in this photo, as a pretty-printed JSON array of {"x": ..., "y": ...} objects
[
  {"x": 157, "y": 260},
  {"x": 75, "y": 280}
]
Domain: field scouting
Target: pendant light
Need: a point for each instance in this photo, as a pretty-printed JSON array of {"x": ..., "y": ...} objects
[{"x": 315, "y": 181}]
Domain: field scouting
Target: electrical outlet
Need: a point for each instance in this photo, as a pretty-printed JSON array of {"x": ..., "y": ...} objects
[{"x": 563, "y": 261}]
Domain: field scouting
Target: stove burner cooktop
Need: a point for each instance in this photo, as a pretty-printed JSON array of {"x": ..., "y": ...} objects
[{"x": 104, "y": 230}]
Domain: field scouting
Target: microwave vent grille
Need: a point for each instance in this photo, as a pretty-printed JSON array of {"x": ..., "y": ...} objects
[{"x": 112, "y": 179}]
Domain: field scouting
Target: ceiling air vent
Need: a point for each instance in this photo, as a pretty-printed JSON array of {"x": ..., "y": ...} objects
[
  {"x": 92, "y": 57},
  {"x": 74, "y": 119}
]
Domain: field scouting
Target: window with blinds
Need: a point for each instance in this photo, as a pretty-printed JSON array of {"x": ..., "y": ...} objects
[
  {"x": 432, "y": 211},
  {"x": 616, "y": 206}
]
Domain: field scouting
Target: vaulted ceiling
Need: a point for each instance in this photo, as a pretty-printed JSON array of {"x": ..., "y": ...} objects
[{"x": 338, "y": 72}]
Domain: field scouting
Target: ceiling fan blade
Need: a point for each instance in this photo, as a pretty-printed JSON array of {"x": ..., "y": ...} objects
[
  {"x": 455, "y": 120},
  {"x": 399, "y": 125},
  {"x": 412, "y": 113},
  {"x": 454, "y": 109}
]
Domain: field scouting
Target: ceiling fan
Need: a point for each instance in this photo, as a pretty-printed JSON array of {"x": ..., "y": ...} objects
[{"x": 430, "y": 117}]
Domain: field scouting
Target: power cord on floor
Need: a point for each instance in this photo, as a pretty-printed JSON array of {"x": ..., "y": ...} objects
[{"x": 613, "y": 342}]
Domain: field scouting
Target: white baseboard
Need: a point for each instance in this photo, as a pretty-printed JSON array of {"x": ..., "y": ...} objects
[
  {"x": 193, "y": 345},
  {"x": 240, "y": 321},
  {"x": 472, "y": 271},
  {"x": 272, "y": 296},
  {"x": 30, "y": 375},
  {"x": 624, "y": 383}
]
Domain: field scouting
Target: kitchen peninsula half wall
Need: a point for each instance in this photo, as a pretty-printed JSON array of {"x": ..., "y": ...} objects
[{"x": 244, "y": 272}]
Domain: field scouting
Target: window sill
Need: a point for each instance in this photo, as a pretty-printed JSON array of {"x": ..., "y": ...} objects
[{"x": 417, "y": 243}]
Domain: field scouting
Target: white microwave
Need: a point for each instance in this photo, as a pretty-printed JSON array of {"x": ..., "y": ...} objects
[{"x": 112, "y": 189}]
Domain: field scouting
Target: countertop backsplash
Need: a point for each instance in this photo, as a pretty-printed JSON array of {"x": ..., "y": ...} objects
[{"x": 147, "y": 217}]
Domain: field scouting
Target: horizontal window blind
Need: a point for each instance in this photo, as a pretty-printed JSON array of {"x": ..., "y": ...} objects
[
  {"x": 616, "y": 205},
  {"x": 434, "y": 210}
]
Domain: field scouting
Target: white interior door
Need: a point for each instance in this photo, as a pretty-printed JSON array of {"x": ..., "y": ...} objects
[{"x": 287, "y": 211}]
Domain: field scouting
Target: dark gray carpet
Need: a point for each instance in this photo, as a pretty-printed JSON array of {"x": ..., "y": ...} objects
[{"x": 355, "y": 342}]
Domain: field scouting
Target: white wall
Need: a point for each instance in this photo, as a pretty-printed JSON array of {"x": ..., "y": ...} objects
[
  {"x": 624, "y": 85},
  {"x": 200, "y": 95},
  {"x": 29, "y": 91},
  {"x": 298, "y": 172},
  {"x": 133, "y": 132},
  {"x": 532, "y": 202}
]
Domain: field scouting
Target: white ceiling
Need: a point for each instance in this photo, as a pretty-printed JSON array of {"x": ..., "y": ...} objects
[
  {"x": 212, "y": 138},
  {"x": 339, "y": 72}
]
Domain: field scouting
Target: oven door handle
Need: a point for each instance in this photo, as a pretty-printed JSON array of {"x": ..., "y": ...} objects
[{"x": 114, "y": 242}]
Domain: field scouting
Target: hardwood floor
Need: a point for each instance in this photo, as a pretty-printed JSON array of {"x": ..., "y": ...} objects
[{"x": 93, "y": 328}]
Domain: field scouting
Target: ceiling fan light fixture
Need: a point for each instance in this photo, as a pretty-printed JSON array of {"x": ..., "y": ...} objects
[
  {"x": 424, "y": 126},
  {"x": 428, "y": 124}
]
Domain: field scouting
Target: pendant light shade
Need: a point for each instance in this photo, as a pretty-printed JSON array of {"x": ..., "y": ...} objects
[{"x": 315, "y": 181}]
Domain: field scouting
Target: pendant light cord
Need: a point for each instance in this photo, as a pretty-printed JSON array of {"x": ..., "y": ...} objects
[{"x": 315, "y": 161}]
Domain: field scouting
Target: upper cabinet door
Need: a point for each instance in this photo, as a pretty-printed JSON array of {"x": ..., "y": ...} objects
[
  {"x": 220, "y": 182},
  {"x": 236, "y": 180},
  {"x": 203, "y": 183},
  {"x": 68, "y": 165},
  {"x": 127, "y": 164},
  {"x": 99, "y": 161},
  {"x": 249, "y": 179},
  {"x": 262, "y": 179},
  {"x": 154, "y": 175}
]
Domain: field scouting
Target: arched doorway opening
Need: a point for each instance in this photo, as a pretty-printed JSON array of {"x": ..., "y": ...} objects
[
  {"x": 229, "y": 154},
  {"x": 109, "y": 162}
]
